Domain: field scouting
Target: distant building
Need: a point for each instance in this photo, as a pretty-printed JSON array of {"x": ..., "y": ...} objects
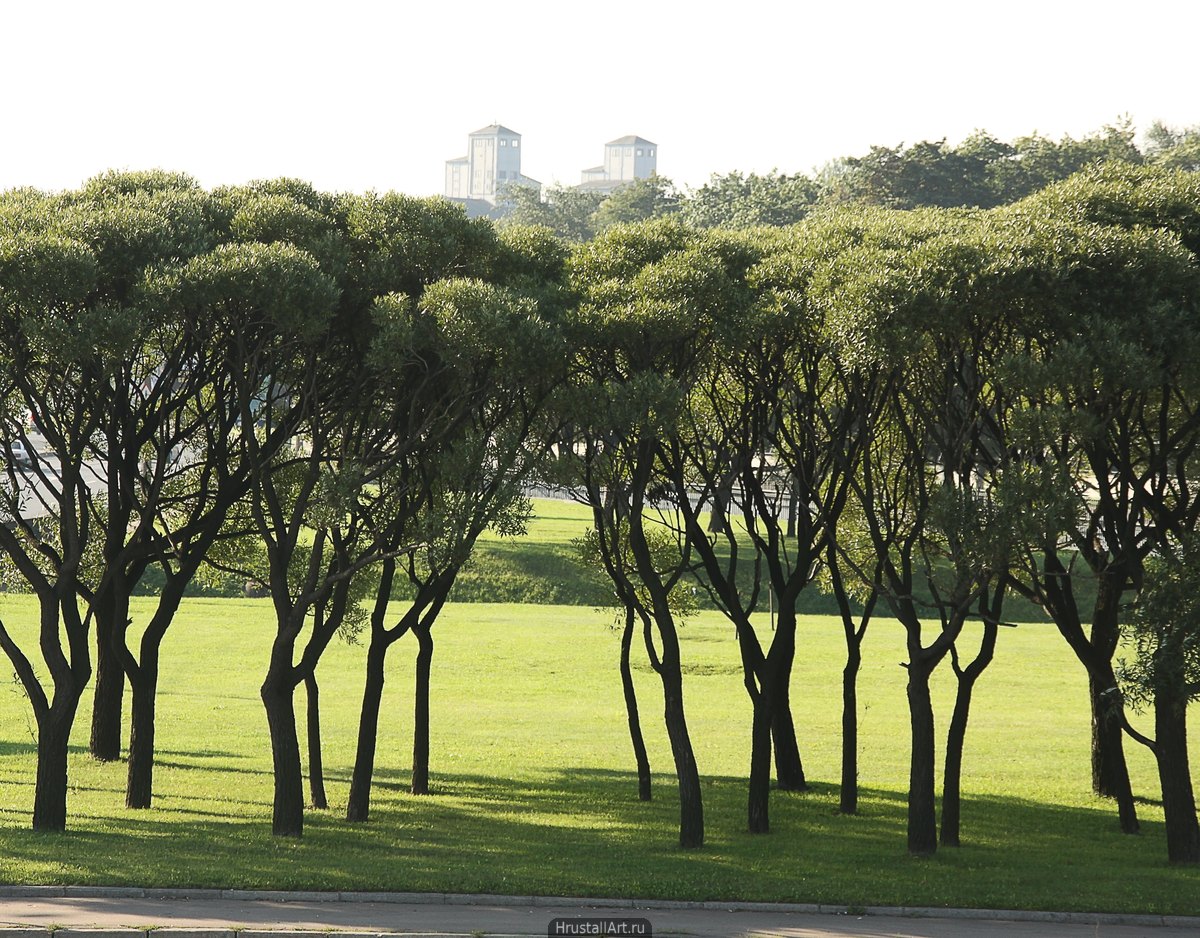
[
  {"x": 625, "y": 159},
  {"x": 493, "y": 161}
]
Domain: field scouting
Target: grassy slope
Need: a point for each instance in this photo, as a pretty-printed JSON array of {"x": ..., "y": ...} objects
[{"x": 534, "y": 791}]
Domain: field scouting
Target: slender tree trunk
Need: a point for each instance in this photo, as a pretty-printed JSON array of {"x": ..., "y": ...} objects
[
  {"x": 691, "y": 804},
  {"x": 316, "y": 769},
  {"x": 952, "y": 780},
  {"x": 359, "y": 805},
  {"x": 922, "y": 817},
  {"x": 50, "y": 791},
  {"x": 109, "y": 693},
  {"x": 139, "y": 784},
  {"x": 288, "y": 807},
  {"x": 1174, "y": 773},
  {"x": 631, "y": 709},
  {"x": 848, "y": 800},
  {"x": 760, "y": 763},
  {"x": 420, "y": 768}
]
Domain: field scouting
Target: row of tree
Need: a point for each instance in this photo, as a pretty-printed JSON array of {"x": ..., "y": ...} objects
[
  {"x": 980, "y": 172},
  {"x": 919, "y": 410}
]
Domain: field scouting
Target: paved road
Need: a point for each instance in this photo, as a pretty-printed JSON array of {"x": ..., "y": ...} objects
[{"x": 194, "y": 912}]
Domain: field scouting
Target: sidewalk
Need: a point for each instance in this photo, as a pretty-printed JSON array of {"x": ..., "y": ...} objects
[{"x": 97, "y": 912}]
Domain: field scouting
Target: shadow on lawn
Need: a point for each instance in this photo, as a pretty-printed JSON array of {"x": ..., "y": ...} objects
[{"x": 583, "y": 832}]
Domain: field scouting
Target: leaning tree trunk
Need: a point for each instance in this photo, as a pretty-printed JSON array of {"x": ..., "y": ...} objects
[
  {"x": 420, "y": 767},
  {"x": 789, "y": 769},
  {"x": 316, "y": 770},
  {"x": 952, "y": 780},
  {"x": 109, "y": 693},
  {"x": 922, "y": 816},
  {"x": 1174, "y": 773},
  {"x": 287, "y": 819},
  {"x": 358, "y": 807},
  {"x": 631, "y": 709}
]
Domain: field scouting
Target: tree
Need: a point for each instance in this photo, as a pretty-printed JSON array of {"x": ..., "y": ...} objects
[
  {"x": 737, "y": 200},
  {"x": 53, "y": 348},
  {"x": 1164, "y": 672},
  {"x": 639, "y": 200},
  {"x": 565, "y": 210},
  {"x": 1112, "y": 384}
]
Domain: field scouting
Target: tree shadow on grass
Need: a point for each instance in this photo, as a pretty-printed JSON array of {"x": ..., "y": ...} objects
[{"x": 583, "y": 832}]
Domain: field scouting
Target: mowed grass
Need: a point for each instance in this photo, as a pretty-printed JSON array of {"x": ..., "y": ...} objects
[{"x": 534, "y": 791}]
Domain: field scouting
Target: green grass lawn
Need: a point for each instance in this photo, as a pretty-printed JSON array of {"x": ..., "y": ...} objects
[{"x": 534, "y": 784}]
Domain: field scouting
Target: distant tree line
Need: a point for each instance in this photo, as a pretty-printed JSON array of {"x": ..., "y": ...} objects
[
  {"x": 981, "y": 172},
  {"x": 920, "y": 410}
]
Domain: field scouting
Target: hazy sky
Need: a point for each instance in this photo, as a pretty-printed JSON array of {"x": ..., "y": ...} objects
[{"x": 359, "y": 95}]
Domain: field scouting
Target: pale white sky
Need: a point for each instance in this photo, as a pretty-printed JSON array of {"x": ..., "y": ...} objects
[{"x": 356, "y": 95}]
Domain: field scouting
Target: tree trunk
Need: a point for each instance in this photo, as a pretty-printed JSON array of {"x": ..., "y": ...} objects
[
  {"x": 50, "y": 793},
  {"x": 108, "y": 696},
  {"x": 691, "y": 805},
  {"x": 139, "y": 784},
  {"x": 922, "y": 817},
  {"x": 760, "y": 764},
  {"x": 848, "y": 801},
  {"x": 952, "y": 780},
  {"x": 358, "y": 808},
  {"x": 631, "y": 709},
  {"x": 1110, "y": 774},
  {"x": 1174, "y": 773},
  {"x": 288, "y": 807},
  {"x": 789, "y": 769},
  {"x": 316, "y": 770},
  {"x": 420, "y": 767}
]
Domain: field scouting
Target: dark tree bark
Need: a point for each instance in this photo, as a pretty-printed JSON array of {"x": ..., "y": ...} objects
[
  {"x": 1174, "y": 773},
  {"x": 143, "y": 683},
  {"x": 420, "y": 768},
  {"x": 109, "y": 694},
  {"x": 922, "y": 817},
  {"x": 631, "y": 708},
  {"x": 316, "y": 769},
  {"x": 358, "y": 807},
  {"x": 691, "y": 803},
  {"x": 789, "y": 767},
  {"x": 50, "y": 791},
  {"x": 288, "y": 804}
]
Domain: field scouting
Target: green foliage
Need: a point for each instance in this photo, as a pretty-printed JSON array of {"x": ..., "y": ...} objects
[
  {"x": 639, "y": 200},
  {"x": 735, "y": 200},
  {"x": 1163, "y": 630}
]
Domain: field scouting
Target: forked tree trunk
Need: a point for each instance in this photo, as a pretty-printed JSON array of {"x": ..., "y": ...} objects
[
  {"x": 316, "y": 769},
  {"x": 631, "y": 709}
]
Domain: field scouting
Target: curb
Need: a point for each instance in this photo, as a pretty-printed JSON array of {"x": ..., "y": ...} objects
[{"x": 438, "y": 898}]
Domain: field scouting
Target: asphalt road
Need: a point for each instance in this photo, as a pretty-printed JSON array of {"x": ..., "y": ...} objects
[{"x": 218, "y": 917}]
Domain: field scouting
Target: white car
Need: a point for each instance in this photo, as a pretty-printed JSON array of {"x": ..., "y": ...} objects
[{"x": 21, "y": 456}]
